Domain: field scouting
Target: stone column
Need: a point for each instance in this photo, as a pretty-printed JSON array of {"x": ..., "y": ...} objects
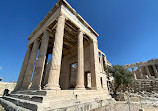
[
  {"x": 30, "y": 66},
  {"x": 155, "y": 71},
  {"x": 53, "y": 76},
  {"x": 80, "y": 63},
  {"x": 101, "y": 61},
  {"x": 94, "y": 62},
  {"x": 38, "y": 73},
  {"x": 65, "y": 73},
  {"x": 140, "y": 71},
  {"x": 23, "y": 69},
  {"x": 44, "y": 72},
  {"x": 134, "y": 74},
  {"x": 147, "y": 71}
]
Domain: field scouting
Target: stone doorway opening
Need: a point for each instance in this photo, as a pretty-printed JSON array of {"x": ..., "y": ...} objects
[
  {"x": 73, "y": 74},
  {"x": 101, "y": 80}
]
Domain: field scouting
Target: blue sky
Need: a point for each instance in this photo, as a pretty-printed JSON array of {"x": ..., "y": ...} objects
[{"x": 128, "y": 29}]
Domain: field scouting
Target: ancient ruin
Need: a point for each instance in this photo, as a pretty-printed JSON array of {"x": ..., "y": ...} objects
[
  {"x": 69, "y": 72},
  {"x": 146, "y": 75}
]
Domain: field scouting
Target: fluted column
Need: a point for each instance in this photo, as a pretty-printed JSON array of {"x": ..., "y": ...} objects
[
  {"x": 147, "y": 71},
  {"x": 94, "y": 62},
  {"x": 43, "y": 82},
  {"x": 54, "y": 73},
  {"x": 23, "y": 69},
  {"x": 38, "y": 73},
  {"x": 155, "y": 71},
  {"x": 30, "y": 66},
  {"x": 80, "y": 63}
]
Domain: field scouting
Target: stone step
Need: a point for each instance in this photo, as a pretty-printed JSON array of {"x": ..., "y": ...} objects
[
  {"x": 23, "y": 103},
  {"x": 35, "y": 98},
  {"x": 94, "y": 97},
  {"x": 60, "y": 92},
  {"x": 9, "y": 106},
  {"x": 38, "y": 96},
  {"x": 88, "y": 92},
  {"x": 90, "y": 96},
  {"x": 56, "y": 97},
  {"x": 40, "y": 99},
  {"x": 31, "y": 92},
  {"x": 59, "y": 97}
]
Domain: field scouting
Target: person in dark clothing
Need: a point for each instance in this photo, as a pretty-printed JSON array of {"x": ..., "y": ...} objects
[{"x": 6, "y": 92}]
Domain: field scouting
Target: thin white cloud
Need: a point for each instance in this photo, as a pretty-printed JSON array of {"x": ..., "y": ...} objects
[{"x": 0, "y": 67}]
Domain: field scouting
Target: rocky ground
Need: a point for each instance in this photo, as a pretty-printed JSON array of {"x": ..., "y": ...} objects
[
  {"x": 1, "y": 108},
  {"x": 123, "y": 106},
  {"x": 149, "y": 101}
]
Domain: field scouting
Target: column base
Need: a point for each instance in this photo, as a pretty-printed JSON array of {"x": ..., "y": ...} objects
[
  {"x": 80, "y": 88},
  {"x": 35, "y": 88},
  {"x": 23, "y": 88},
  {"x": 51, "y": 87},
  {"x": 16, "y": 89},
  {"x": 93, "y": 88},
  {"x": 96, "y": 88}
]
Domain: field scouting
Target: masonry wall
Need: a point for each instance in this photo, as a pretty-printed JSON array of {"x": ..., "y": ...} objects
[
  {"x": 6, "y": 85},
  {"x": 146, "y": 85},
  {"x": 68, "y": 74}
]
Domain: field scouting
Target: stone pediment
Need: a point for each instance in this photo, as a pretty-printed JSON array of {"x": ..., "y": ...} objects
[{"x": 62, "y": 4}]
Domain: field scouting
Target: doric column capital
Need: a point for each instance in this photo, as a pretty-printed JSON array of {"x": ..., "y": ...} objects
[
  {"x": 80, "y": 34},
  {"x": 46, "y": 33},
  {"x": 95, "y": 42},
  {"x": 30, "y": 45},
  {"x": 81, "y": 31},
  {"x": 61, "y": 16}
]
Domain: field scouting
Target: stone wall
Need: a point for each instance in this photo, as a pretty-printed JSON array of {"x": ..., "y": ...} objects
[
  {"x": 6, "y": 85},
  {"x": 140, "y": 85},
  {"x": 146, "y": 85}
]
